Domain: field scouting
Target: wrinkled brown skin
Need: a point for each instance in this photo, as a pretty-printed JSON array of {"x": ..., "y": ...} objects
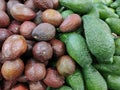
[
  {"x": 71, "y": 23},
  {"x": 4, "y": 19},
  {"x": 21, "y": 12},
  {"x": 65, "y": 65},
  {"x": 53, "y": 78},
  {"x": 22, "y": 79},
  {"x": 2, "y": 5},
  {"x": 12, "y": 69},
  {"x": 4, "y": 34},
  {"x": 58, "y": 47},
  {"x": 30, "y": 4},
  {"x": 20, "y": 87},
  {"x": 13, "y": 47},
  {"x": 14, "y": 27},
  {"x": 44, "y": 32},
  {"x": 26, "y": 29},
  {"x": 7, "y": 85},
  {"x": 37, "y": 85},
  {"x": 52, "y": 16},
  {"x": 43, "y": 4},
  {"x": 42, "y": 51},
  {"x": 55, "y": 4},
  {"x": 38, "y": 19},
  {"x": 35, "y": 71}
]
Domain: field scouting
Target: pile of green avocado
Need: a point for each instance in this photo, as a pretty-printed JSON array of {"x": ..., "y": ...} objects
[{"x": 95, "y": 47}]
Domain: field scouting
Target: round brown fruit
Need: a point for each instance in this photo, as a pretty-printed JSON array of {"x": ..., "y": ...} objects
[
  {"x": 10, "y": 4},
  {"x": 26, "y": 29},
  {"x": 65, "y": 65},
  {"x": 21, "y": 12},
  {"x": 43, "y": 4},
  {"x": 52, "y": 16},
  {"x": 71, "y": 23},
  {"x": 4, "y": 34},
  {"x": 13, "y": 47},
  {"x": 4, "y": 19},
  {"x": 14, "y": 27},
  {"x": 42, "y": 51},
  {"x": 44, "y": 32},
  {"x": 53, "y": 78},
  {"x": 58, "y": 47},
  {"x": 30, "y": 4},
  {"x": 37, "y": 86},
  {"x": 12, "y": 69},
  {"x": 35, "y": 71}
]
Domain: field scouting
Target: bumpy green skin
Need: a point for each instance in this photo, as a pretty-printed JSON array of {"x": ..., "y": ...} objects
[
  {"x": 64, "y": 88},
  {"x": 113, "y": 68},
  {"x": 118, "y": 11},
  {"x": 99, "y": 39},
  {"x": 115, "y": 4},
  {"x": 66, "y": 13},
  {"x": 106, "y": 2},
  {"x": 113, "y": 82},
  {"x": 75, "y": 80},
  {"x": 117, "y": 46},
  {"x": 77, "y": 48},
  {"x": 105, "y": 12},
  {"x": 78, "y": 6},
  {"x": 114, "y": 24},
  {"x": 93, "y": 79},
  {"x": 116, "y": 60},
  {"x": 94, "y": 12}
]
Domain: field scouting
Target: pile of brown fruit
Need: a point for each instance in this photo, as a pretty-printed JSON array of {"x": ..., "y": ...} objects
[{"x": 31, "y": 56}]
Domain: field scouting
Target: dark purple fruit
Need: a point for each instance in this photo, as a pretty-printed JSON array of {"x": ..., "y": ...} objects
[
  {"x": 44, "y": 32},
  {"x": 42, "y": 51},
  {"x": 37, "y": 19}
]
